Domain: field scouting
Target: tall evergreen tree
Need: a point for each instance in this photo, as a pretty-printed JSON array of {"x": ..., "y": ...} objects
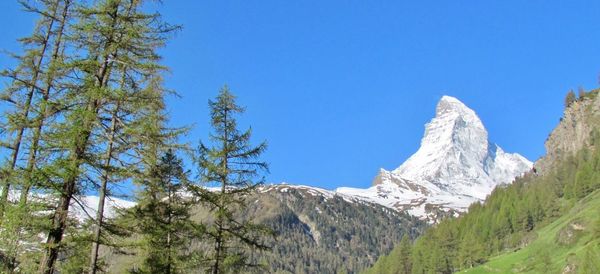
[
  {"x": 232, "y": 164},
  {"x": 470, "y": 251},
  {"x": 55, "y": 71},
  {"x": 21, "y": 96},
  {"x": 26, "y": 100},
  {"x": 162, "y": 217},
  {"x": 116, "y": 145},
  {"x": 114, "y": 40},
  {"x": 133, "y": 113}
]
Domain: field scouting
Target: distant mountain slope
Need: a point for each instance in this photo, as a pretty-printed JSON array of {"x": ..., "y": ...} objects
[
  {"x": 318, "y": 231},
  {"x": 455, "y": 166}
]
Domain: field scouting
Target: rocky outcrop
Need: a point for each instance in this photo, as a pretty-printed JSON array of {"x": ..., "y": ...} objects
[{"x": 573, "y": 133}]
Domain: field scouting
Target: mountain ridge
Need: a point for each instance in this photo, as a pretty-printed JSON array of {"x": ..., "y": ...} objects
[{"x": 455, "y": 166}]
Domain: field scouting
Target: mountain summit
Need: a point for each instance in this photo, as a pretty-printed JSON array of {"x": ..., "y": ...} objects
[{"x": 455, "y": 166}]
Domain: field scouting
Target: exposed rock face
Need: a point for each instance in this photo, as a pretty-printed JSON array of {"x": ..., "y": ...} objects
[
  {"x": 455, "y": 166},
  {"x": 573, "y": 133}
]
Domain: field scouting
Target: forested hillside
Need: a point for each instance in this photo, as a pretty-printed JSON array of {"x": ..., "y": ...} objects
[
  {"x": 546, "y": 221},
  {"x": 315, "y": 231}
]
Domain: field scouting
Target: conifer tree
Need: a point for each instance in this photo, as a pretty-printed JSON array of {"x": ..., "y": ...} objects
[
  {"x": 232, "y": 164},
  {"x": 55, "y": 71},
  {"x": 117, "y": 40},
  {"x": 133, "y": 113},
  {"x": 162, "y": 217},
  {"x": 21, "y": 96},
  {"x": 150, "y": 140},
  {"x": 80, "y": 124},
  {"x": 116, "y": 145},
  {"x": 25, "y": 101}
]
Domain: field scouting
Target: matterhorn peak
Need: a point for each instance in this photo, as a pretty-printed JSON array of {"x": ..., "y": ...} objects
[
  {"x": 455, "y": 165},
  {"x": 449, "y": 102},
  {"x": 455, "y": 140},
  {"x": 450, "y": 106}
]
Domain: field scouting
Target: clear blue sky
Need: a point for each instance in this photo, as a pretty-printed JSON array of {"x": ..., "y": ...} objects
[{"x": 342, "y": 88}]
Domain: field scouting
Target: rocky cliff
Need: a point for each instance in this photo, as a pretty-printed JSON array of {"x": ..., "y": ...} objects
[{"x": 573, "y": 132}]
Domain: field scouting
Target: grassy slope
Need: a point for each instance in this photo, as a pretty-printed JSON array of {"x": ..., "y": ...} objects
[{"x": 586, "y": 212}]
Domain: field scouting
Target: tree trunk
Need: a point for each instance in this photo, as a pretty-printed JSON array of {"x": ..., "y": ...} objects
[
  {"x": 220, "y": 226},
  {"x": 169, "y": 210},
  {"x": 102, "y": 194},
  {"x": 59, "y": 221}
]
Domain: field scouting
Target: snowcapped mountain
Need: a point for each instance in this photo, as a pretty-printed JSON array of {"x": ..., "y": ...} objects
[{"x": 455, "y": 166}]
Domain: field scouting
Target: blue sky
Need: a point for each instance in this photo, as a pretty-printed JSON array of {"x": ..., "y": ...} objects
[{"x": 342, "y": 88}]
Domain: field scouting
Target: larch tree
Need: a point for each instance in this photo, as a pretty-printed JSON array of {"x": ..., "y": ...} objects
[
  {"x": 136, "y": 100},
  {"x": 26, "y": 100},
  {"x": 49, "y": 96},
  {"x": 232, "y": 164},
  {"x": 162, "y": 182},
  {"x": 26, "y": 85},
  {"x": 114, "y": 64},
  {"x": 163, "y": 218}
]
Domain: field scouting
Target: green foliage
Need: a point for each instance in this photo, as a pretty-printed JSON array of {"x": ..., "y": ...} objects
[
  {"x": 231, "y": 164},
  {"x": 399, "y": 261},
  {"x": 404, "y": 263},
  {"x": 20, "y": 235},
  {"x": 591, "y": 260},
  {"x": 542, "y": 261},
  {"x": 75, "y": 253},
  {"x": 162, "y": 218},
  {"x": 18, "y": 98},
  {"x": 543, "y": 253}
]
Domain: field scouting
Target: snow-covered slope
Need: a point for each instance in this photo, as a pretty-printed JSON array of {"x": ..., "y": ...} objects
[
  {"x": 83, "y": 207},
  {"x": 86, "y": 207},
  {"x": 455, "y": 166}
]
